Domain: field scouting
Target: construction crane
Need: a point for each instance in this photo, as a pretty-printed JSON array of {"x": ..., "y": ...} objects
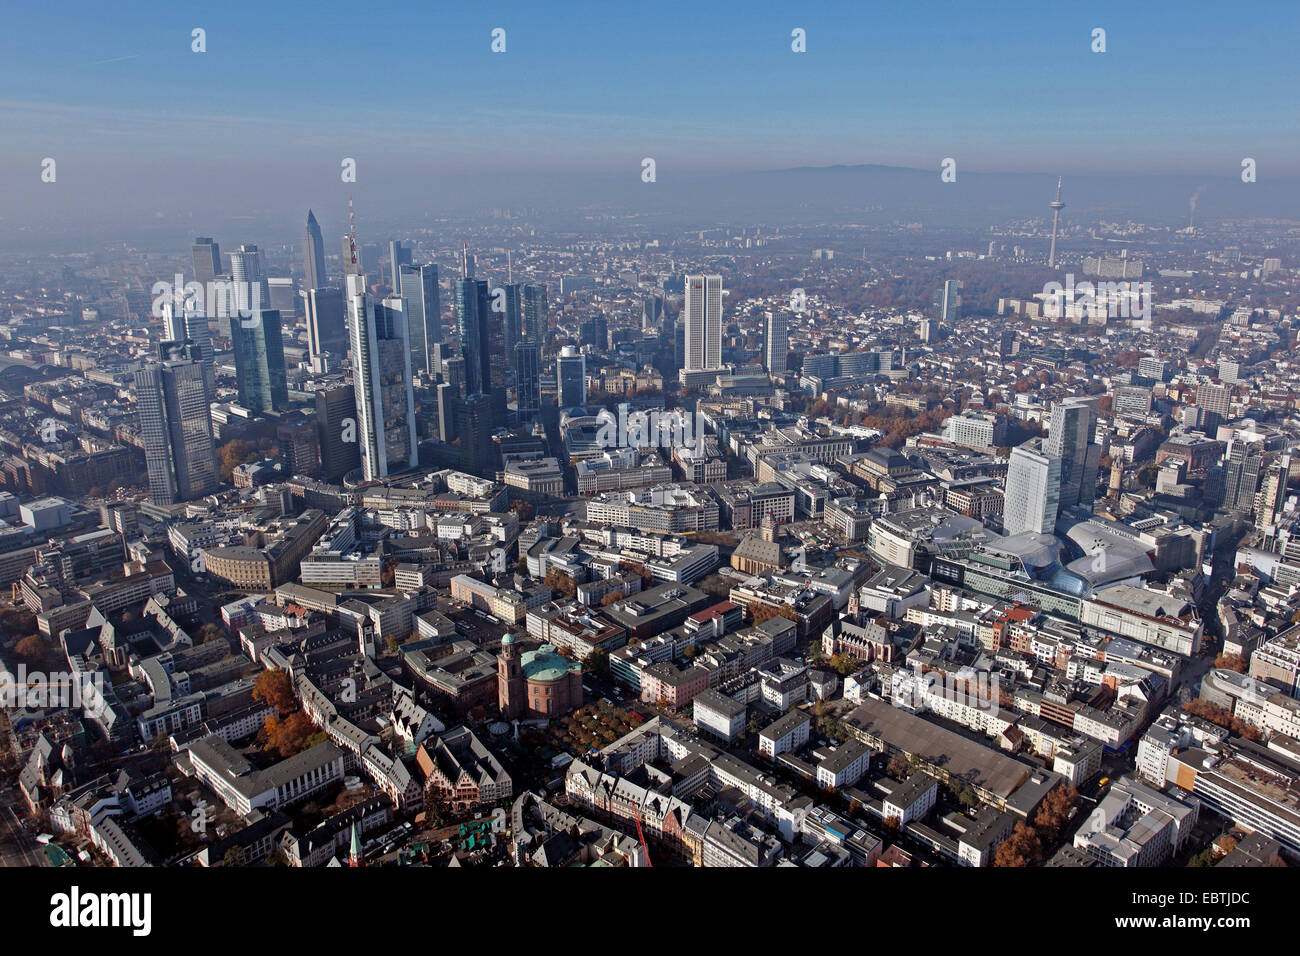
[
  {"x": 636, "y": 818},
  {"x": 352, "y": 235}
]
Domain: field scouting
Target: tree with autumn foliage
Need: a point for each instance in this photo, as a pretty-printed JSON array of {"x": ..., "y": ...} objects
[
  {"x": 1224, "y": 718},
  {"x": 1054, "y": 812},
  {"x": 1231, "y": 662},
  {"x": 32, "y": 648},
  {"x": 291, "y": 735},
  {"x": 1023, "y": 848},
  {"x": 274, "y": 688},
  {"x": 558, "y": 581}
]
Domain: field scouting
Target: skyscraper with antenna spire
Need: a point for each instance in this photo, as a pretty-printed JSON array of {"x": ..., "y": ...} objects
[{"x": 1057, "y": 206}]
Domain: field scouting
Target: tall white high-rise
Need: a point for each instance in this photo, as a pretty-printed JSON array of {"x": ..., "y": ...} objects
[
  {"x": 381, "y": 378},
  {"x": 703, "y": 320},
  {"x": 776, "y": 342},
  {"x": 1033, "y": 491}
]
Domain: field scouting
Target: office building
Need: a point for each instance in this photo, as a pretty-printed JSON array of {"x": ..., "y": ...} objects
[
  {"x": 1033, "y": 491},
  {"x": 381, "y": 378},
  {"x": 259, "y": 360},
  {"x": 176, "y": 428},
  {"x": 1271, "y": 502},
  {"x": 313, "y": 255},
  {"x": 207, "y": 260},
  {"x": 187, "y": 325},
  {"x": 703, "y": 319},
  {"x": 1072, "y": 440},
  {"x": 336, "y": 423},
  {"x": 471, "y": 332},
  {"x": 528, "y": 380},
  {"x": 776, "y": 343},
  {"x": 1151, "y": 367},
  {"x": 571, "y": 377},
  {"x": 327, "y": 328},
  {"x": 299, "y": 443},
  {"x": 947, "y": 303},
  {"x": 251, "y": 292},
  {"x": 419, "y": 287},
  {"x": 399, "y": 254},
  {"x": 472, "y": 423},
  {"x": 536, "y": 324},
  {"x": 1241, "y": 477},
  {"x": 1213, "y": 400}
]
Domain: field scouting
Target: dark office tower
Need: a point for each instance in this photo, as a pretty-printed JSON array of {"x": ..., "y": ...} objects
[
  {"x": 447, "y": 399},
  {"x": 207, "y": 259},
  {"x": 259, "y": 361},
  {"x": 473, "y": 422},
  {"x": 472, "y": 312},
  {"x": 313, "y": 252},
  {"x": 419, "y": 287},
  {"x": 679, "y": 343},
  {"x": 1007, "y": 345},
  {"x": 1241, "y": 477},
  {"x": 498, "y": 366},
  {"x": 398, "y": 255},
  {"x": 299, "y": 447},
  {"x": 528, "y": 381},
  {"x": 336, "y": 424},
  {"x": 536, "y": 324},
  {"x": 652, "y": 311},
  {"x": 1071, "y": 439},
  {"x": 381, "y": 377},
  {"x": 327, "y": 328},
  {"x": 595, "y": 332},
  {"x": 176, "y": 428}
]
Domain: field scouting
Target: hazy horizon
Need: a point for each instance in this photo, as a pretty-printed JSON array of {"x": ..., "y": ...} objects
[{"x": 153, "y": 140}]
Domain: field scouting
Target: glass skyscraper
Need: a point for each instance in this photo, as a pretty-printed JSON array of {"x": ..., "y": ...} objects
[
  {"x": 381, "y": 379},
  {"x": 176, "y": 426},
  {"x": 419, "y": 287},
  {"x": 313, "y": 252},
  {"x": 259, "y": 361}
]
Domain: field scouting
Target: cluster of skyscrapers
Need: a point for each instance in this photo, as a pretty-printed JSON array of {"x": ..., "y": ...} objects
[{"x": 498, "y": 335}]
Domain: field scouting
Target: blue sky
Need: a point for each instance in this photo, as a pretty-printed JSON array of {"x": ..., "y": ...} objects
[
  {"x": 149, "y": 135},
  {"x": 1183, "y": 87}
]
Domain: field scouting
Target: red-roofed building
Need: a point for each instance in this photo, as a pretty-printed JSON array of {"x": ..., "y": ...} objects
[{"x": 716, "y": 620}]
